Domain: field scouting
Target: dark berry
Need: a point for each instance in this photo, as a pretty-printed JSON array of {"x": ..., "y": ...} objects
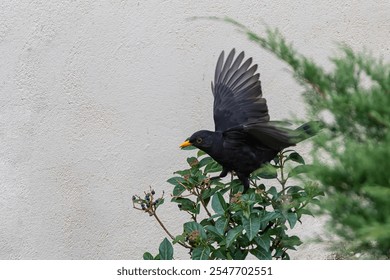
[
  {"x": 134, "y": 198},
  {"x": 153, "y": 192}
]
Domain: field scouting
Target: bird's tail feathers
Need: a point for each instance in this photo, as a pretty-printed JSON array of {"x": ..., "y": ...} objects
[
  {"x": 277, "y": 136},
  {"x": 306, "y": 131}
]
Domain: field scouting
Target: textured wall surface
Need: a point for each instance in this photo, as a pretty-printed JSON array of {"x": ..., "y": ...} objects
[{"x": 95, "y": 97}]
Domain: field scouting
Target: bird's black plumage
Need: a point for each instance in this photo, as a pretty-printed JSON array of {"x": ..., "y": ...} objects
[{"x": 244, "y": 137}]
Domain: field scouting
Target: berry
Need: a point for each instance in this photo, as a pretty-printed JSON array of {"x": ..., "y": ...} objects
[{"x": 153, "y": 192}]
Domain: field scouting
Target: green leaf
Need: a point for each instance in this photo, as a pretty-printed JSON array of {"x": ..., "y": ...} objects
[
  {"x": 200, "y": 153},
  {"x": 267, "y": 171},
  {"x": 201, "y": 253},
  {"x": 147, "y": 256},
  {"x": 295, "y": 157},
  {"x": 192, "y": 161},
  {"x": 279, "y": 252},
  {"x": 178, "y": 190},
  {"x": 232, "y": 235},
  {"x": 239, "y": 254},
  {"x": 183, "y": 172},
  {"x": 291, "y": 241},
  {"x": 210, "y": 191},
  {"x": 273, "y": 191},
  {"x": 179, "y": 238},
  {"x": 263, "y": 241},
  {"x": 189, "y": 148},
  {"x": 212, "y": 230},
  {"x": 292, "y": 219},
  {"x": 221, "y": 225},
  {"x": 212, "y": 167},
  {"x": 236, "y": 186},
  {"x": 300, "y": 169},
  {"x": 194, "y": 226},
  {"x": 175, "y": 180},
  {"x": 186, "y": 204},
  {"x": 218, "y": 203},
  {"x": 193, "y": 181},
  {"x": 294, "y": 190},
  {"x": 261, "y": 254},
  {"x": 166, "y": 250},
  {"x": 204, "y": 161},
  {"x": 303, "y": 211},
  {"x": 220, "y": 253},
  {"x": 270, "y": 216},
  {"x": 251, "y": 225}
]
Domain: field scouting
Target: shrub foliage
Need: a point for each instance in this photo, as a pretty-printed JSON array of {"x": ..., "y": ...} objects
[{"x": 224, "y": 222}]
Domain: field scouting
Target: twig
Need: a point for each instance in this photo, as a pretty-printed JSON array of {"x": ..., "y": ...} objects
[
  {"x": 166, "y": 230},
  {"x": 282, "y": 180},
  {"x": 202, "y": 202}
]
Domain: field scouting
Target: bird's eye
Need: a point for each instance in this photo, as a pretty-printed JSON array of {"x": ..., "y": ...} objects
[{"x": 199, "y": 140}]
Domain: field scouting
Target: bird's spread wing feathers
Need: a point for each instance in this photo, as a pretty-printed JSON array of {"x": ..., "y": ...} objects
[
  {"x": 240, "y": 111},
  {"x": 237, "y": 93}
]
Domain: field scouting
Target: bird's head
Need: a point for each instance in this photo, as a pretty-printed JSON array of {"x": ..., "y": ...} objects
[{"x": 202, "y": 139}]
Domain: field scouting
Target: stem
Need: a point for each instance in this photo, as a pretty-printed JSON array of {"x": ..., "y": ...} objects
[
  {"x": 167, "y": 232},
  {"x": 253, "y": 182},
  {"x": 199, "y": 197},
  {"x": 197, "y": 193},
  {"x": 181, "y": 196},
  {"x": 193, "y": 216},
  {"x": 162, "y": 225},
  {"x": 282, "y": 180}
]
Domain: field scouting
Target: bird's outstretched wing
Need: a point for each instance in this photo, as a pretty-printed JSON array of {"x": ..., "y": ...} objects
[{"x": 237, "y": 93}]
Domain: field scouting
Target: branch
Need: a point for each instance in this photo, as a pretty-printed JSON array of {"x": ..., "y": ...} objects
[
  {"x": 166, "y": 230},
  {"x": 202, "y": 202}
]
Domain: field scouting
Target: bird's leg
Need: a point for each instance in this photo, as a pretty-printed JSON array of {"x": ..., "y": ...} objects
[
  {"x": 244, "y": 180},
  {"x": 223, "y": 174}
]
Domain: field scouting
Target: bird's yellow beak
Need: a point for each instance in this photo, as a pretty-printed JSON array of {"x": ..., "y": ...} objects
[{"x": 185, "y": 144}]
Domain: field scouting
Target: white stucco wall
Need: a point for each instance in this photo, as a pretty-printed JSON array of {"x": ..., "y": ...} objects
[{"x": 95, "y": 97}]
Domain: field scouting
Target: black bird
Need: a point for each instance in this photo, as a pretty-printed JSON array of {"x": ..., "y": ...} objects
[{"x": 244, "y": 137}]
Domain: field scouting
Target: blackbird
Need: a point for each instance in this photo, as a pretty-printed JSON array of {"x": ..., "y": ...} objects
[{"x": 244, "y": 137}]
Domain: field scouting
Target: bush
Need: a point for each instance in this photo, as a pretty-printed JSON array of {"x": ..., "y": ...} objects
[{"x": 234, "y": 224}]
